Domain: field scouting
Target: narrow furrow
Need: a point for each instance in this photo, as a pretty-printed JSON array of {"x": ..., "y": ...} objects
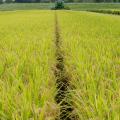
[{"x": 62, "y": 79}]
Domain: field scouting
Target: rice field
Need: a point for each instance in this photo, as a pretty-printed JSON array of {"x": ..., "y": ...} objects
[
  {"x": 92, "y": 57},
  {"x": 59, "y": 65},
  {"x": 27, "y": 85},
  {"x": 93, "y": 6},
  {"x": 47, "y": 6}
]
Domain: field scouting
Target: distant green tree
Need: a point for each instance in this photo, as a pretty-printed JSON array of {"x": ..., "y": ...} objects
[
  {"x": 69, "y": 0},
  {"x": 1, "y": 1},
  {"x": 9, "y": 1},
  {"x": 38, "y": 1},
  {"x": 59, "y": 4}
]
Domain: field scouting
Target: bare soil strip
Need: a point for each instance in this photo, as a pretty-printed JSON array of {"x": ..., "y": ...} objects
[{"x": 62, "y": 79}]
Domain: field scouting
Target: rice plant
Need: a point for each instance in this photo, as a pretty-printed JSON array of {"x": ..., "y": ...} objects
[
  {"x": 59, "y": 65},
  {"x": 27, "y": 84},
  {"x": 91, "y": 45}
]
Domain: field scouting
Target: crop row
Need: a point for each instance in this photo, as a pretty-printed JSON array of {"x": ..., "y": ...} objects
[
  {"x": 114, "y": 12},
  {"x": 90, "y": 58}
]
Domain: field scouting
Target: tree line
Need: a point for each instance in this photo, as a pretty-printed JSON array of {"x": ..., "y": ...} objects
[{"x": 82, "y": 1}]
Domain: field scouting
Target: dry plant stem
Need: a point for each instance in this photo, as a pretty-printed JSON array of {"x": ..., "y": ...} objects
[{"x": 62, "y": 79}]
